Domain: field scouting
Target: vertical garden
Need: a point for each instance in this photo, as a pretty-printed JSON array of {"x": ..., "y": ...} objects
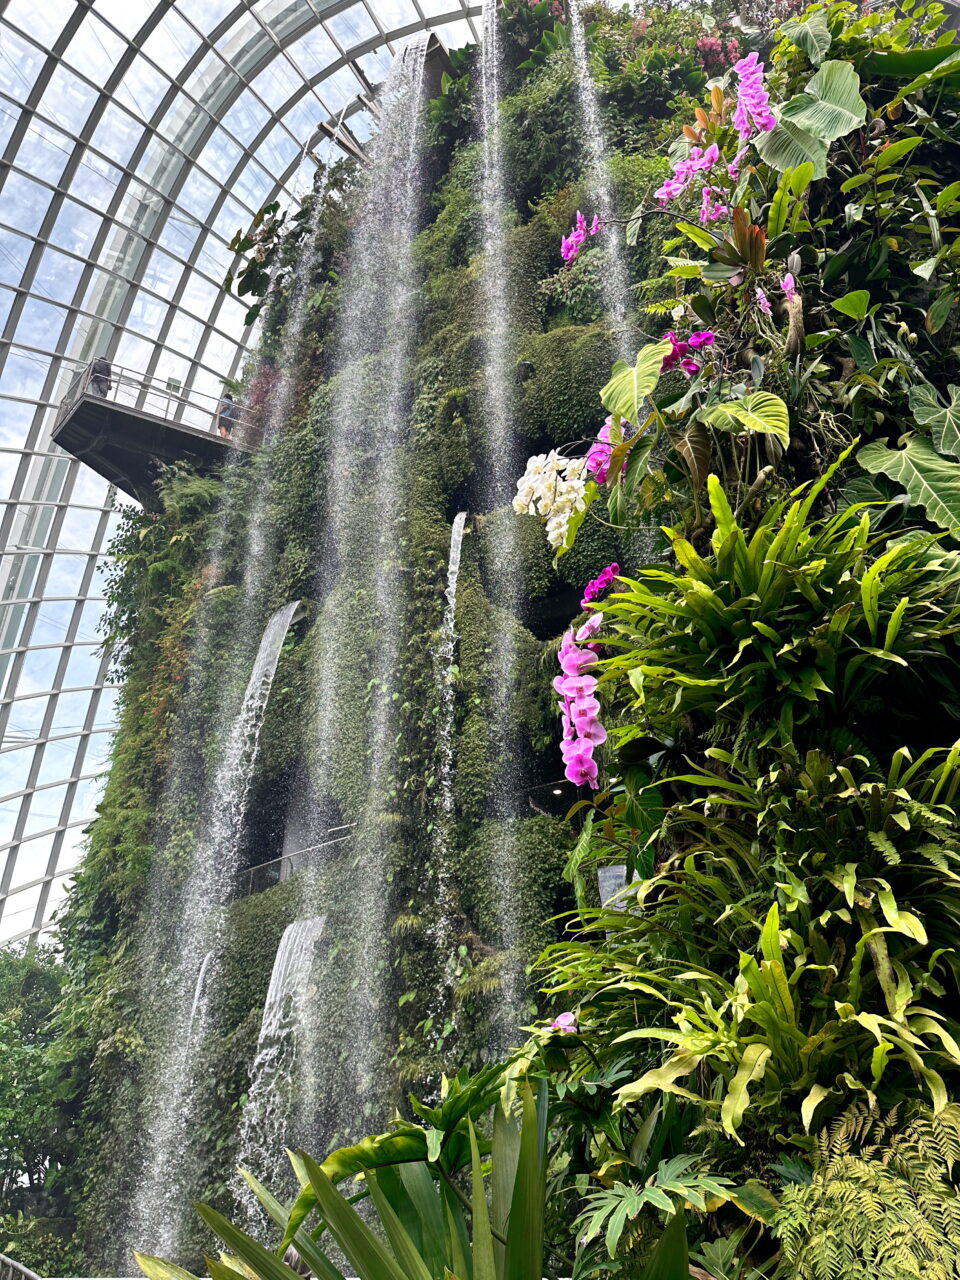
[{"x": 724, "y": 574}]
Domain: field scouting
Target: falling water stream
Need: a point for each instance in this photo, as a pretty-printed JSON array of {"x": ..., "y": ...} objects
[
  {"x": 210, "y": 884},
  {"x": 445, "y": 674},
  {"x": 499, "y": 406},
  {"x": 340, "y": 1084},
  {"x": 273, "y": 1076},
  {"x": 615, "y": 276},
  {"x": 445, "y": 678}
]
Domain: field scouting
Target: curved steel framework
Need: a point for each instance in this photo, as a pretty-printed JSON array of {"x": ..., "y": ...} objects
[{"x": 136, "y": 136}]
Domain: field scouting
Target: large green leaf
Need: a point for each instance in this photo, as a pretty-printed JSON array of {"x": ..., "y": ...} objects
[
  {"x": 157, "y": 1269},
  {"x": 812, "y": 36},
  {"x": 931, "y": 482},
  {"x": 626, "y": 391},
  {"x": 950, "y": 65},
  {"x": 944, "y": 422},
  {"x": 523, "y": 1253},
  {"x": 855, "y": 304},
  {"x": 305, "y": 1245},
  {"x": 670, "y": 1259},
  {"x": 250, "y": 1252},
  {"x": 761, "y": 412},
  {"x": 752, "y": 1066},
  {"x": 484, "y": 1266},
  {"x": 362, "y": 1248},
  {"x": 830, "y": 106},
  {"x": 788, "y": 146},
  {"x": 404, "y": 1249}
]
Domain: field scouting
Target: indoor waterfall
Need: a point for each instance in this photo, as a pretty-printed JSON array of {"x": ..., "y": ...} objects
[
  {"x": 498, "y": 416},
  {"x": 615, "y": 275},
  {"x": 263, "y": 1128},
  {"x": 162, "y": 1195},
  {"x": 445, "y": 678},
  {"x": 339, "y": 1081}
]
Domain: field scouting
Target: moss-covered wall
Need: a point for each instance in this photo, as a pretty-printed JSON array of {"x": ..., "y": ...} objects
[{"x": 173, "y": 614}]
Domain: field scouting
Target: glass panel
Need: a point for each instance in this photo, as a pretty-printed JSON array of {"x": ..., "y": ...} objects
[
  {"x": 78, "y": 529},
  {"x": 46, "y": 809},
  {"x": 22, "y": 62},
  {"x": 352, "y": 27},
  {"x": 95, "y": 50},
  {"x": 24, "y": 374},
  {"x": 42, "y": 21},
  {"x": 246, "y": 117},
  {"x": 172, "y": 44},
  {"x": 71, "y": 712},
  {"x": 26, "y": 718},
  {"x": 95, "y": 181},
  {"x": 14, "y": 769},
  {"x": 18, "y": 913},
  {"x": 67, "y": 99},
  {"x": 57, "y": 276},
  {"x": 75, "y": 229},
  {"x": 58, "y": 761},
  {"x": 98, "y": 751},
  {"x": 220, "y": 156},
  {"x": 40, "y": 324},
  {"x": 83, "y": 667},
  {"x": 117, "y": 133},
  {"x": 24, "y": 203},
  {"x": 52, "y": 621},
  {"x": 44, "y": 151},
  {"x": 128, "y": 16},
  {"x": 142, "y": 89}
]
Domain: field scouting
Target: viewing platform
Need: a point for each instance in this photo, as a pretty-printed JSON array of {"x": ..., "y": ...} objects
[{"x": 125, "y": 424}]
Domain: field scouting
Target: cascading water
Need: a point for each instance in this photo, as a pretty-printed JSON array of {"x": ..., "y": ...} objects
[
  {"x": 498, "y": 413},
  {"x": 160, "y": 1200},
  {"x": 445, "y": 674},
  {"x": 263, "y": 1136},
  {"x": 445, "y": 678},
  {"x": 615, "y": 276},
  {"x": 163, "y": 1192},
  {"x": 339, "y": 1085},
  {"x": 642, "y": 542},
  {"x": 199, "y": 990}
]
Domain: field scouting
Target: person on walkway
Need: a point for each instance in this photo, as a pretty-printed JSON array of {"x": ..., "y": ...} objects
[
  {"x": 227, "y": 411},
  {"x": 101, "y": 376}
]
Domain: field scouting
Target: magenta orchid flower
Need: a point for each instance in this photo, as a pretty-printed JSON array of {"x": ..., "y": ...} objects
[
  {"x": 565, "y": 1022},
  {"x": 753, "y": 102},
  {"x": 789, "y": 287},
  {"x": 590, "y": 627},
  {"x": 763, "y": 302}
]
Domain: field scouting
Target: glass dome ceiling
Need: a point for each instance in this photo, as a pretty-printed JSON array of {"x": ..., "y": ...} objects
[{"x": 137, "y": 137}]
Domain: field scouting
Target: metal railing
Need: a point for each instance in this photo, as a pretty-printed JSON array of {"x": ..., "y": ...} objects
[
  {"x": 270, "y": 873},
  {"x": 162, "y": 398},
  {"x": 10, "y": 1270}
]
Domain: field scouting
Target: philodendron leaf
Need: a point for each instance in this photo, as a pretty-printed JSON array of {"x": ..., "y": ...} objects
[
  {"x": 693, "y": 446},
  {"x": 944, "y": 422},
  {"x": 626, "y": 391},
  {"x": 760, "y": 412},
  {"x": 931, "y": 482},
  {"x": 788, "y": 146},
  {"x": 812, "y": 36},
  {"x": 855, "y": 304},
  {"x": 830, "y": 106}
]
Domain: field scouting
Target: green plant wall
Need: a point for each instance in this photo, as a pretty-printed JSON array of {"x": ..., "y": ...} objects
[{"x": 168, "y": 606}]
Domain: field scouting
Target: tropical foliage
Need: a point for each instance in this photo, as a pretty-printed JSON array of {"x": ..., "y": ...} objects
[{"x": 751, "y": 1064}]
